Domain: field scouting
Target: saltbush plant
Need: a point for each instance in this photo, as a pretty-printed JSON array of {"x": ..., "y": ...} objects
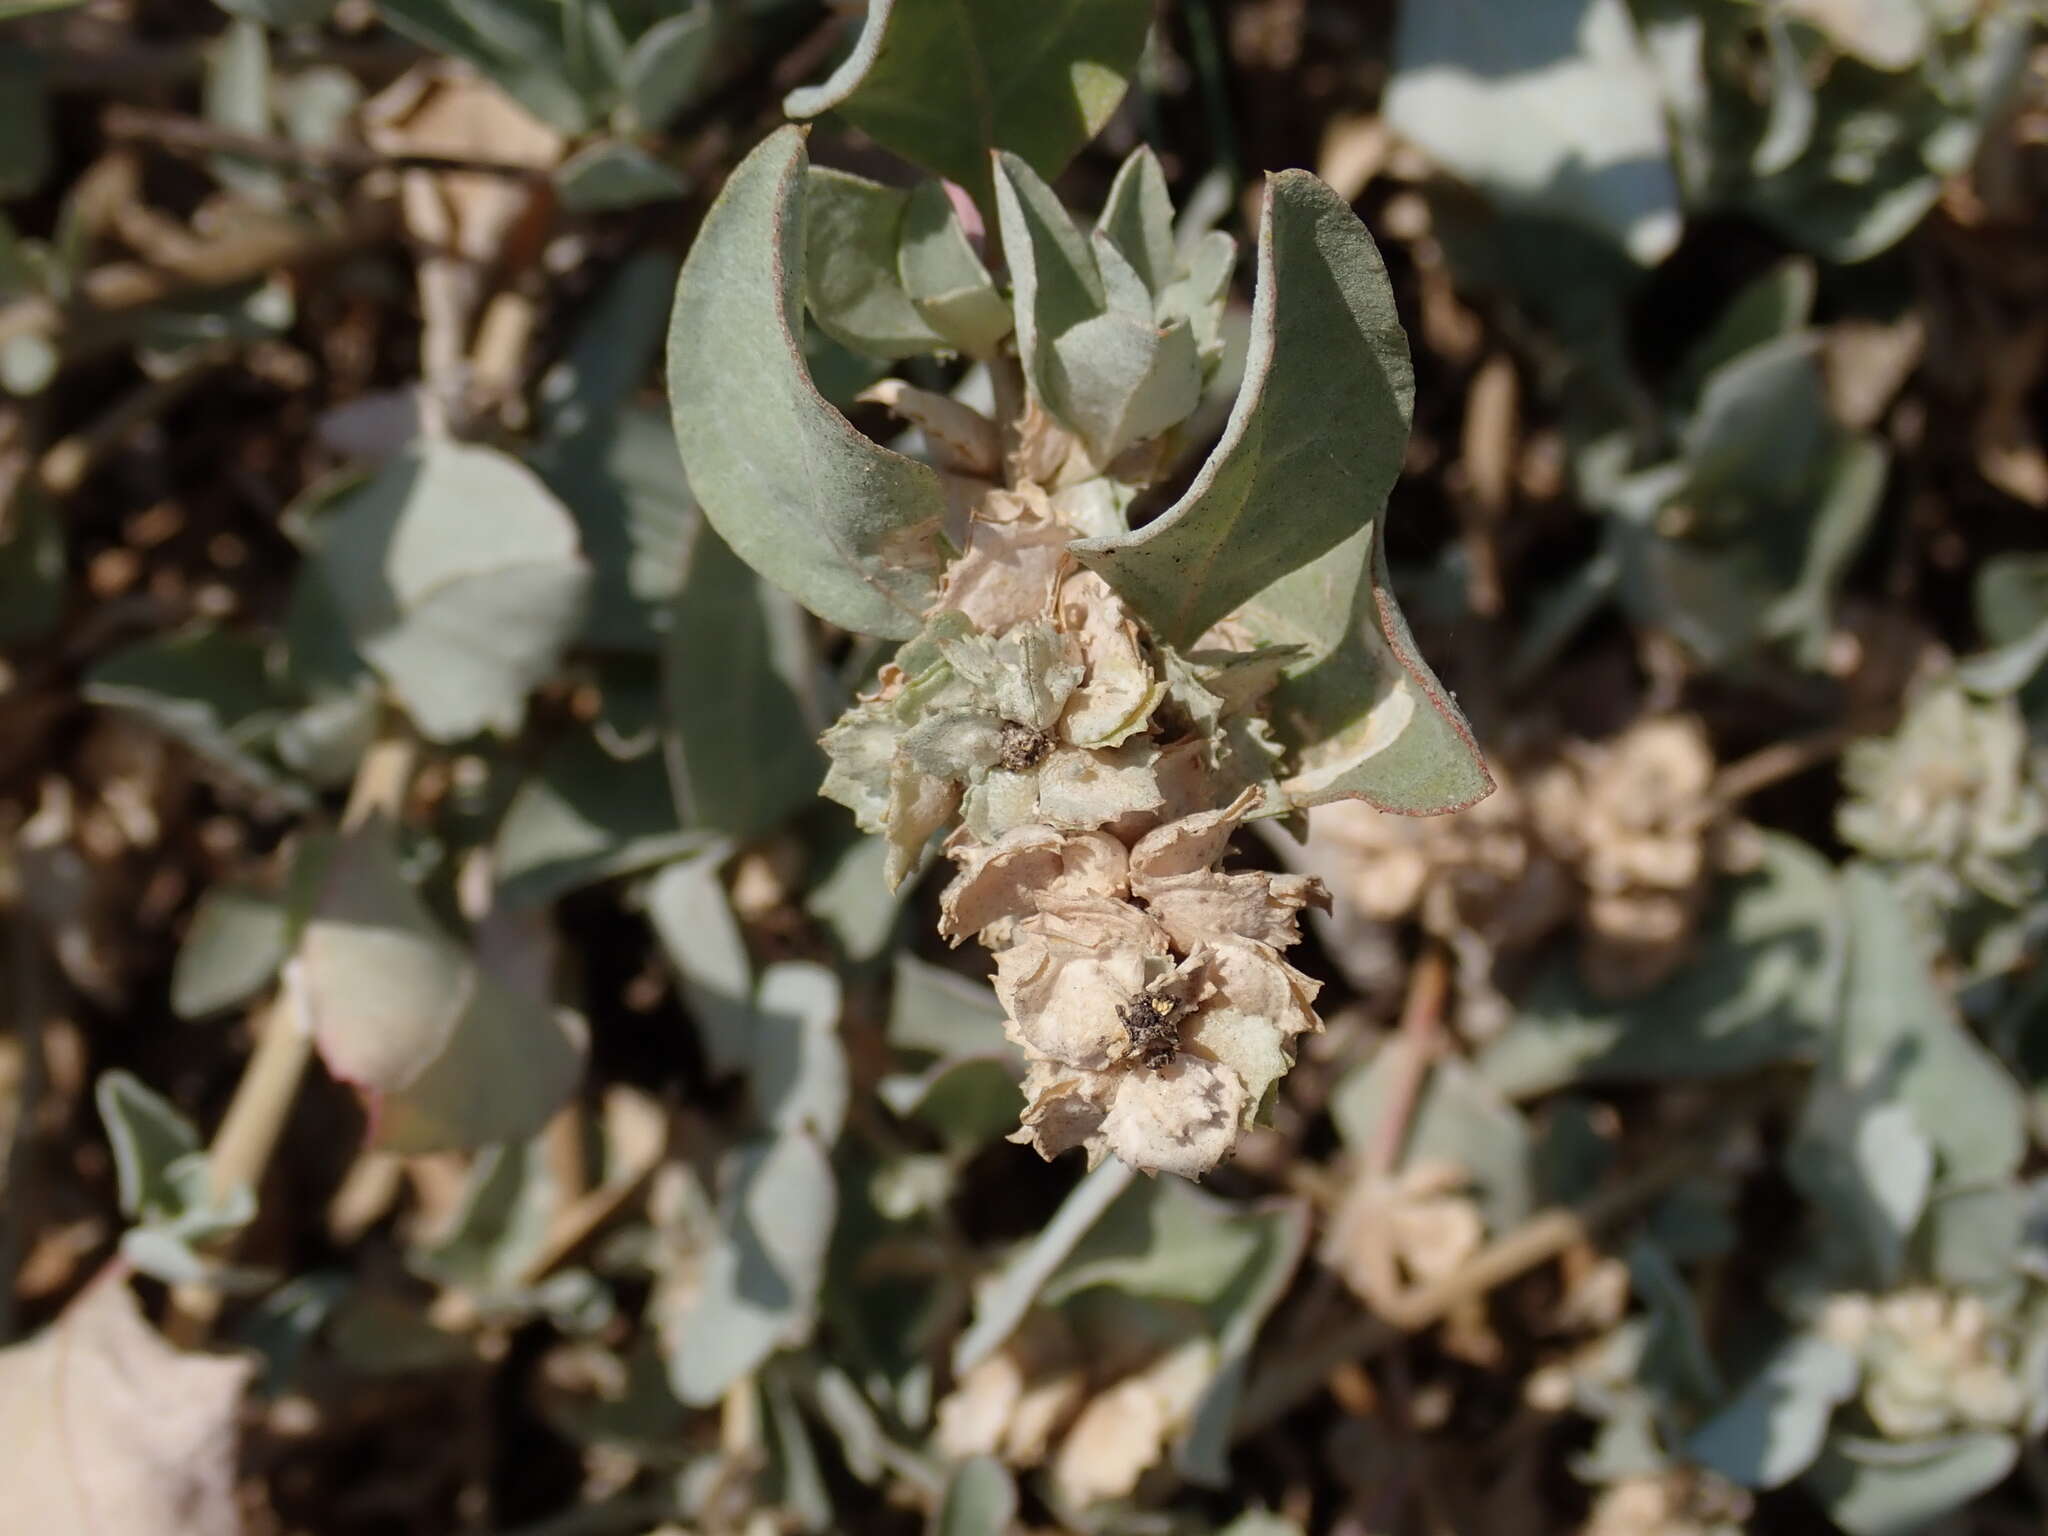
[{"x": 1081, "y": 709}]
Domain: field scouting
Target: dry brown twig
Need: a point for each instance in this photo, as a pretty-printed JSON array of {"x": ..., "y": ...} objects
[
  {"x": 1287, "y": 1384},
  {"x": 183, "y": 135}
]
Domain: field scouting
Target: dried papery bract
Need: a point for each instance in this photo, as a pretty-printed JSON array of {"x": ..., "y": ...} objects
[{"x": 1086, "y": 715}]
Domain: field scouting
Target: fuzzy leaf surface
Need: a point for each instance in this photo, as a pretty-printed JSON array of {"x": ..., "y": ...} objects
[
  {"x": 1315, "y": 439},
  {"x": 1283, "y": 523},
  {"x": 853, "y": 229},
  {"x": 846, "y": 527}
]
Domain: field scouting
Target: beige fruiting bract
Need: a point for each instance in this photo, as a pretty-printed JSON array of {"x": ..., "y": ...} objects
[
  {"x": 1621, "y": 838},
  {"x": 1093, "y": 782}
]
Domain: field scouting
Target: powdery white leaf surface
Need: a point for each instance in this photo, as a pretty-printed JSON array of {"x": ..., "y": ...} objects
[
  {"x": 451, "y": 1052},
  {"x": 843, "y": 525},
  {"x": 459, "y": 577},
  {"x": 1551, "y": 106},
  {"x": 105, "y": 1430},
  {"x": 944, "y": 82}
]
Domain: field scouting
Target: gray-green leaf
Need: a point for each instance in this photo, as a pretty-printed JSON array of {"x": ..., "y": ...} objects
[
  {"x": 736, "y": 683},
  {"x": 458, "y": 575},
  {"x": 849, "y": 529},
  {"x": 450, "y": 1054},
  {"x": 1773, "y": 1429},
  {"x": 853, "y": 233},
  {"x": 1551, "y": 106},
  {"x": 236, "y": 942},
  {"x": 761, "y": 1281},
  {"x": 1092, "y": 348},
  {"x": 1314, "y": 442},
  {"x": 1870, "y": 1489},
  {"x": 980, "y": 1500},
  {"x": 944, "y": 82}
]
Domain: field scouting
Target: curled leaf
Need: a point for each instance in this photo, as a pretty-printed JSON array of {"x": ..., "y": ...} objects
[{"x": 846, "y": 527}]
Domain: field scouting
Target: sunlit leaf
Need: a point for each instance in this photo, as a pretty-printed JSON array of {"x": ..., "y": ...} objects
[
  {"x": 1285, "y": 519},
  {"x": 760, "y": 1283},
  {"x": 1551, "y": 106},
  {"x": 848, "y": 528},
  {"x": 1329, "y": 367},
  {"x": 1088, "y": 331},
  {"x": 459, "y": 578}
]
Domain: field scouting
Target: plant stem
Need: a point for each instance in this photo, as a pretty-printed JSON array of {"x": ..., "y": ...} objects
[
  {"x": 255, "y": 1117},
  {"x": 1421, "y": 1031},
  {"x": 1286, "y": 1385},
  {"x": 191, "y": 136}
]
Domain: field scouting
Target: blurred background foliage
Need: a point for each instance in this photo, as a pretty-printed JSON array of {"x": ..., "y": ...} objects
[{"x": 1671, "y": 1163}]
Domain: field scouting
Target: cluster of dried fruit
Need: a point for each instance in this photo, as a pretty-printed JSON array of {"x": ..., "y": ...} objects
[
  {"x": 1096, "y": 778},
  {"x": 1620, "y": 838}
]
